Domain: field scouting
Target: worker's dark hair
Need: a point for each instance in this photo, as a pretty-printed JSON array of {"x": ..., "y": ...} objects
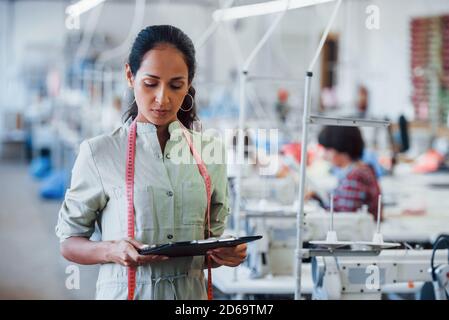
[
  {"x": 151, "y": 37},
  {"x": 343, "y": 139}
]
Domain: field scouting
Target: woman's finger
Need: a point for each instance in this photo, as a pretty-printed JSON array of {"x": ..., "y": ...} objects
[
  {"x": 224, "y": 262},
  {"x": 218, "y": 260},
  {"x": 238, "y": 248},
  {"x": 230, "y": 258},
  {"x": 133, "y": 254},
  {"x": 241, "y": 248},
  {"x": 135, "y": 243},
  {"x": 153, "y": 257}
]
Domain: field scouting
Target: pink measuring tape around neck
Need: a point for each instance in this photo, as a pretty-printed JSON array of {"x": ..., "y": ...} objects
[{"x": 131, "y": 153}]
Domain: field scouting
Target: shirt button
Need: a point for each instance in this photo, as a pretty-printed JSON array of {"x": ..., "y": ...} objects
[
  {"x": 169, "y": 193},
  {"x": 168, "y": 156},
  {"x": 170, "y": 236}
]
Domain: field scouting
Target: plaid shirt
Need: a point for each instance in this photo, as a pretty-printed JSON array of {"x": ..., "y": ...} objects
[{"x": 357, "y": 188}]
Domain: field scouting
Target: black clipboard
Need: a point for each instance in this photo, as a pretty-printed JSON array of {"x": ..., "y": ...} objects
[{"x": 196, "y": 247}]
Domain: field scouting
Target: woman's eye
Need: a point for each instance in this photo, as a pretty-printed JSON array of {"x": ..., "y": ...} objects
[
  {"x": 149, "y": 84},
  {"x": 176, "y": 87}
]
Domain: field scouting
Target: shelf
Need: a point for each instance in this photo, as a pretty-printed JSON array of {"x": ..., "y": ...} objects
[{"x": 347, "y": 122}]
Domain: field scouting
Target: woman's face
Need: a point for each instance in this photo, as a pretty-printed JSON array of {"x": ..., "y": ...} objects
[
  {"x": 160, "y": 85},
  {"x": 338, "y": 159}
]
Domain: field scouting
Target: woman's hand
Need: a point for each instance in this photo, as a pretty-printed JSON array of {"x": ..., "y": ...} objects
[
  {"x": 310, "y": 195},
  {"x": 124, "y": 252},
  {"x": 229, "y": 256}
]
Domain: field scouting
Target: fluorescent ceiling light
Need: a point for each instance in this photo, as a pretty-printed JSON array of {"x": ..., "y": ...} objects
[
  {"x": 262, "y": 8},
  {"x": 82, "y": 6}
]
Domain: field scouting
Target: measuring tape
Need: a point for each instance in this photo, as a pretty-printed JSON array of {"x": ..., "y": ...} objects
[{"x": 131, "y": 153}]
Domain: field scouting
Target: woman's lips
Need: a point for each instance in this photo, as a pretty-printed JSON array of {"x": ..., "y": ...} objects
[{"x": 160, "y": 112}]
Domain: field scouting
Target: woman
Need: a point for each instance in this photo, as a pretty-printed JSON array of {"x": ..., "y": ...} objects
[
  {"x": 140, "y": 161},
  {"x": 357, "y": 183}
]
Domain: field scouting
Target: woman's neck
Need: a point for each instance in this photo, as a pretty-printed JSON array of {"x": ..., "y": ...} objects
[
  {"x": 161, "y": 130},
  {"x": 346, "y": 162},
  {"x": 163, "y": 135}
]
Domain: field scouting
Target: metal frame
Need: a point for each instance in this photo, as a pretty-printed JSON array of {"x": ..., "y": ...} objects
[
  {"x": 313, "y": 119},
  {"x": 240, "y": 144},
  {"x": 306, "y": 120}
]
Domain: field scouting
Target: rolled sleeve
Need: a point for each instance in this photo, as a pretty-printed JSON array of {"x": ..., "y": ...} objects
[{"x": 83, "y": 200}]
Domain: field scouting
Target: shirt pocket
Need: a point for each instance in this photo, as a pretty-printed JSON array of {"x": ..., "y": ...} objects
[
  {"x": 194, "y": 203},
  {"x": 144, "y": 208}
]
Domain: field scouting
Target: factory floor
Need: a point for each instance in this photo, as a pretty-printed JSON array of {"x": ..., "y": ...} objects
[{"x": 31, "y": 266}]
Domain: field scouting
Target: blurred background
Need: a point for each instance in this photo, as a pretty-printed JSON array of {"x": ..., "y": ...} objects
[{"x": 62, "y": 81}]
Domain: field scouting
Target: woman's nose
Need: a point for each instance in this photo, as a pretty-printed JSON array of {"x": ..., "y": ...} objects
[{"x": 162, "y": 96}]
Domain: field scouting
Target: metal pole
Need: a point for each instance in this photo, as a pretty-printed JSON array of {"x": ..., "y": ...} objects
[
  {"x": 300, "y": 212},
  {"x": 240, "y": 158},
  {"x": 273, "y": 79},
  {"x": 332, "y": 212},
  {"x": 305, "y": 127},
  {"x": 240, "y": 147}
]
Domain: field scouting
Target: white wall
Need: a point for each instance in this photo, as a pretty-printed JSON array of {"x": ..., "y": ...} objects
[
  {"x": 37, "y": 24},
  {"x": 378, "y": 58},
  {"x": 33, "y": 35},
  {"x": 4, "y": 48},
  {"x": 381, "y": 58},
  {"x": 116, "y": 19}
]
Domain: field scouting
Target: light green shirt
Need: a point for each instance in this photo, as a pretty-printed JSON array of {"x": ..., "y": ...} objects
[{"x": 169, "y": 200}]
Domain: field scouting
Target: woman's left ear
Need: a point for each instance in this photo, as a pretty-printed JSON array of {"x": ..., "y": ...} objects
[{"x": 129, "y": 75}]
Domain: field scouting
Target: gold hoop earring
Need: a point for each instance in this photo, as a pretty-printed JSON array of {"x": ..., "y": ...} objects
[{"x": 191, "y": 106}]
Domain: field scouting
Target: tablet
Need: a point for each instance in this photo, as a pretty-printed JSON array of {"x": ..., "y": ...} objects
[{"x": 195, "y": 247}]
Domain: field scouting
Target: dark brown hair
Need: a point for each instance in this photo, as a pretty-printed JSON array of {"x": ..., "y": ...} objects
[
  {"x": 149, "y": 38},
  {"x": 343, "y": 139}
]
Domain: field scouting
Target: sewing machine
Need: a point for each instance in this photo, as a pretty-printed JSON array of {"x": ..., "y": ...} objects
[
  {"x": 274, "y": 253},
  {"x": 366, "y": 277}
]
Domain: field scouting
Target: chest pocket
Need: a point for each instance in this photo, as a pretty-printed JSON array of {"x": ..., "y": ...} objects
[
  {"x": 194, "y": 203},
  {"x": 144, "y": 208}
]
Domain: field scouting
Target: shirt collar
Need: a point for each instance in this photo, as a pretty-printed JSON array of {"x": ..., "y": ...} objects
[
  {"x": 173, "y": 126},
  {"x": 146, "y": 127}
]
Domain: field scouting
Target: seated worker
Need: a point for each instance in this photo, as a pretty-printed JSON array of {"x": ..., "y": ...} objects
[{"x": 357, "y": 184}]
